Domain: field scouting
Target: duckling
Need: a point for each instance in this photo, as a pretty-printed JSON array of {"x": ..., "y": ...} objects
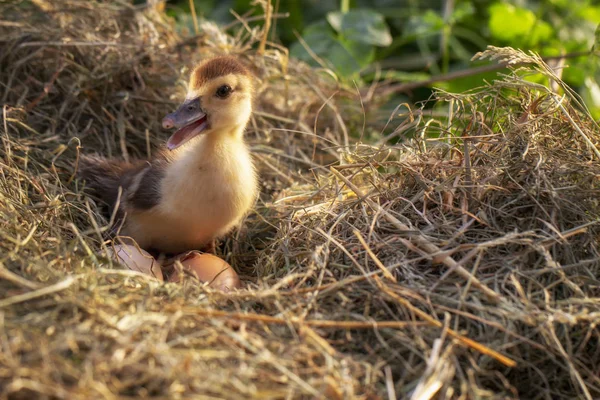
[{"x": 204, "y": 184}]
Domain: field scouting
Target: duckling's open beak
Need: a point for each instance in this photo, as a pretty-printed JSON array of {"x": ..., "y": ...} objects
[{"x": 190, "y": 121}]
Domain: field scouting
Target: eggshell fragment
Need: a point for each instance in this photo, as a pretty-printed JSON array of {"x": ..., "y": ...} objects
[
  {"x": 208, "y": 268},
  {"x": 136, "y": 260}
]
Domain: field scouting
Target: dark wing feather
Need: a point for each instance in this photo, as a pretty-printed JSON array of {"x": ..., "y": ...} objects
[
  {"x": 103, "y": 177},
  {"x": 139, "y": 180},
  {"x": 144, "y": 190}
]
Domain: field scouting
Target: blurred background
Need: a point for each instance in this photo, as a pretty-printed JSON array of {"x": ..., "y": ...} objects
[{"x": 402, "y": 41}]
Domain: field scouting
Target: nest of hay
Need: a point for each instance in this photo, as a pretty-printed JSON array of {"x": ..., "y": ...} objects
[{"x": 462, "y": 263}]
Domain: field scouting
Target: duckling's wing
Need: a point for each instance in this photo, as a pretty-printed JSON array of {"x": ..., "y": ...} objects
[
  {"x": 138, "y": 181},
  {"x": 103, "y": 177},
  {"x": 143, "y": 185}
]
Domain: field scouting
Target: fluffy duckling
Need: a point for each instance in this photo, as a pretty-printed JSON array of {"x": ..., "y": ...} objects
[{"x": 204, "y": 185}]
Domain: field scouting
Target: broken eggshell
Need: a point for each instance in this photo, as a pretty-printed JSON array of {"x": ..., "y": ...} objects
[
  {"x": 208, "y": 268},
  {"x": 136, "y": 259}
]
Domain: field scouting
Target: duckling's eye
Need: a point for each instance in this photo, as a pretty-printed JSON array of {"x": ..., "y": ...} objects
[
  {"x": 223, "y": 91},
  {"x": 191, "y": 107}
]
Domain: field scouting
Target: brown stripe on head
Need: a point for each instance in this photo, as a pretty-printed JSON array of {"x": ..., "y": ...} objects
[{"x": 214, "y": 68}]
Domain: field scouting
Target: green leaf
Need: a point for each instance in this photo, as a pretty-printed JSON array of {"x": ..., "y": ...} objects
[
  {"x": 508, "y": 22},
  {"x": 335, "y": 19},
  {"x": 596, "y": 46},
  {"x": 561, "y": 3},
  {"x": 461, "y": 12},
  {"x": 363, "y": 53},
  {"x": 428, "y": 22},
  {"x": 321, "y": 41},
  {"x": 541, "y": 32},
  {"x": 590, "y": 93},
  {"x": 361, "y": 25},
  {"x": 402, "y": 76},
  {"x": 590, "y": 13}
]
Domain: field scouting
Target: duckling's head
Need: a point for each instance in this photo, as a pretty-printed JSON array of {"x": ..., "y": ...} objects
[{"x": 218, "y": 101}]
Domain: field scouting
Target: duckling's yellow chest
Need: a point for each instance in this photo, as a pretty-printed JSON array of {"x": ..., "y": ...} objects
[
  {"x": 202, "y": 197},
  {"x": 215, "y": 189}
]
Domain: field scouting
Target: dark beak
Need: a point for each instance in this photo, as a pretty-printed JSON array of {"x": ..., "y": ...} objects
[
  {"x": 188, "y": 112},
  {"x": 190, "y": 120}
]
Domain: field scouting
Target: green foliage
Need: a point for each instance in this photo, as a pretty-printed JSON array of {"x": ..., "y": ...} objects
[
  {"x": 411, "y": 39},
  {"x": 362, "y": 26},
  {"x": 517, "y": 25},
  {"x": 346, "y": 42},
  {"x": 322, "y": 46}
]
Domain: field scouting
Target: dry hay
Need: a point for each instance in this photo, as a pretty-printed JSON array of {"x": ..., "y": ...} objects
[{"x": 424, "y": 269}]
